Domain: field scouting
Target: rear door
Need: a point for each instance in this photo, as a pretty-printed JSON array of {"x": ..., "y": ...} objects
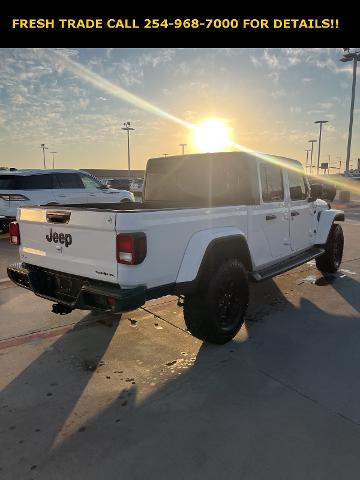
[
  {"x": 69, "y": 188},
  {"x": 273, "y": 213},
  {"x": 301, "y": 212},
  {"x": 73, "y": 241}
]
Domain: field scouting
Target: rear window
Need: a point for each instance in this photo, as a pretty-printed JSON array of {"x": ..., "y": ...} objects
[
  {"x": 198, "y": 181},
  {"x": 28, "y": 182}
]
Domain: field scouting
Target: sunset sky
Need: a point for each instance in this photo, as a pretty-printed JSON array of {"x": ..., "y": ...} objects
[{"x": 70, "y": 100}]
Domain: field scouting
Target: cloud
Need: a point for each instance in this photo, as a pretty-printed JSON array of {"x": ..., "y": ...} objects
[
  {"x": 281, "y": 60},
  {"x": 325, "y": 105},
  {"x": 278, "y": 94},
  {"x": 274, "y": 77}
]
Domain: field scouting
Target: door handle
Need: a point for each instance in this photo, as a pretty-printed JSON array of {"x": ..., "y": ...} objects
[
  {"x": 295, "y": 214},
  {"x": 271, "y": 217}
]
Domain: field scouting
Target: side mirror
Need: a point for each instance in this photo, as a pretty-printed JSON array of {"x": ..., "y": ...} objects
[{"x": 316, "y": 191}]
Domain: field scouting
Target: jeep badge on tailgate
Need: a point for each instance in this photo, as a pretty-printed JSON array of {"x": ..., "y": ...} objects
[{"x": 63, "y": 238}]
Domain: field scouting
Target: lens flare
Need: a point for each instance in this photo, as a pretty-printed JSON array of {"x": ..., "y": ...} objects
[{"x": 212, "y": 136}]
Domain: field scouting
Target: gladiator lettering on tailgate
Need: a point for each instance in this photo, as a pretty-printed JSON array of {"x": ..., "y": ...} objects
[{"x": 63, "y": 238}]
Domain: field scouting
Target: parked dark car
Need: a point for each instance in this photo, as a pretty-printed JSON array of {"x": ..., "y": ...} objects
[
  {"x": 119, "y": 183},
  {"x": 328, "y": 189}
]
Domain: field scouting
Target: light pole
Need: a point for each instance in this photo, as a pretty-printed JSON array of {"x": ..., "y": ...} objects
[
  {"x": 127, "y": 128},
  {"x": 308, "y": 150},
  {"x": 311, "y": 156},
  {"x": 320, "y": 122},
  {"x": 183, "y": 145},
  {"x": 165, "y": 154},
  {"x": 53, "y": 154},
  {"x": 43, "y": 149},
  {"x": 340, "y": 162},
  {"x": 350, "y": 57}
]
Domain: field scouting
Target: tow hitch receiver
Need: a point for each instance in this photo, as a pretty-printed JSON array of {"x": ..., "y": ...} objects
[{"x": 61, "y": 309}]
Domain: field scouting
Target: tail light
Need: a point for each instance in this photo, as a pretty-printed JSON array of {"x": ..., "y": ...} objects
[
  {"x": 12, "y": 197},
  {"x": 14, "y": 233},
  {"x": 131, "y": 248}
]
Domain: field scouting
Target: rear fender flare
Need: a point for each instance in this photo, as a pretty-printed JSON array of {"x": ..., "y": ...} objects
[{"x": 199, "y": 245}]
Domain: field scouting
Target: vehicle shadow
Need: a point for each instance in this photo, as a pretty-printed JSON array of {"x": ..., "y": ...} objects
[
  {"x": 346, "y": 283},
  {"x": 263, "y": 406},
  {"x": 46, "y": 382}
]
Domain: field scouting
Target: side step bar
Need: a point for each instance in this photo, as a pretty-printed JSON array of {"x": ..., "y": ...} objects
[{"x": 285, "y": 265}]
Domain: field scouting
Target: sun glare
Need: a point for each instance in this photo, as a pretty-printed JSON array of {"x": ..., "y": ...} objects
[{"x": 211, "y": 136}]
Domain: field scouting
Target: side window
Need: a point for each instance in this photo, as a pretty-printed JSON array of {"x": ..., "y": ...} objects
[
  {"x": 69, "y": 180},
  {"x": 34, "y": 182},
  {"x": 298, "y": 186},
  {"x": 272, "y": 187},
  {"x": 89, "y": 182},
  {"x": 40, "y": 182}
]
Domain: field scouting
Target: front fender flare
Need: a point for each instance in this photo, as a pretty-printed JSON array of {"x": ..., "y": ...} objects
[{"x": 326, "y": 219}]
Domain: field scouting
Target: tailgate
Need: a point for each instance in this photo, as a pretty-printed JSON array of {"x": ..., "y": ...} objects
[{"x": 80, "y": 242}]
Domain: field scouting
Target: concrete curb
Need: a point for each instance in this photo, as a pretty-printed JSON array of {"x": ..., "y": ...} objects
[{"x": 4, "y": 280}]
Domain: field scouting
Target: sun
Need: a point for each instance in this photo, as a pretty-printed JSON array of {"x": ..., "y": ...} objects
[{"x": 212, "y": 135}]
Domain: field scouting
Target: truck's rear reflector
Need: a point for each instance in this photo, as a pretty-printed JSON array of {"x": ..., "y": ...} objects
[
  {"x": 14, "y": 233},
  {"x": 131, "y": 248}
]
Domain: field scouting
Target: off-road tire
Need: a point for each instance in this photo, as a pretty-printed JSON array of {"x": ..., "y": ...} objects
[
  {"x": 330, "y": 260},
  {"x": 216, "y": 312}
]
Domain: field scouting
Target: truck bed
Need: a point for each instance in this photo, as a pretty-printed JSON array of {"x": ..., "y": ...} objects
[{"x": 131, "y": 206}]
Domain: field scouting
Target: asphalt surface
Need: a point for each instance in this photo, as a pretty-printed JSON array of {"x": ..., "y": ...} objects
[{"x": 144, "y": 399}]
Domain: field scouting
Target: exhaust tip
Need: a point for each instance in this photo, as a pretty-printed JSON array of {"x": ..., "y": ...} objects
[{"x": 61, "y": 309}]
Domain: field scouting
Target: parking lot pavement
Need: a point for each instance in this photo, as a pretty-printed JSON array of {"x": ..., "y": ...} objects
[{"x": 144, "y": 399}]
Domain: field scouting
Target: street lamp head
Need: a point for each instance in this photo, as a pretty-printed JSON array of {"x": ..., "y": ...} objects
[
  {"x": 312, "y": 141},
  {"x": 349, "y": 57},
  {"x": 322, "y": 121},
  {"x": 127, "y": 127}
]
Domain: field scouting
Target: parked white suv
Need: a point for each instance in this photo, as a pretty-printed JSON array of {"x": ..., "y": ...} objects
[
  {"x": 207, "y": 224},
  {"x": 50, "y": 187}
]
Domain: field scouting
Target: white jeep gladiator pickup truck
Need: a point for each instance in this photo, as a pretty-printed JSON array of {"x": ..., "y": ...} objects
[{"x": 207, "y": 225}]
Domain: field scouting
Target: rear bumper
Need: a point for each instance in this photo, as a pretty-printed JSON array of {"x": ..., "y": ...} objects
[{"x": 74, "y": 291}]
